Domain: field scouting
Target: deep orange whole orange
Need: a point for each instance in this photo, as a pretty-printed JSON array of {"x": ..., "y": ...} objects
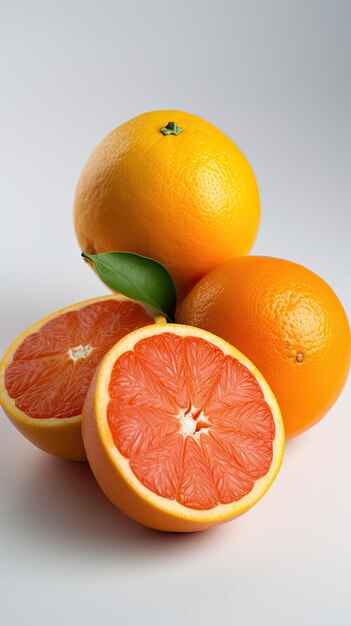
[
  {"x": 185, "y": 197},
  {"x": 287, "y": 321}
]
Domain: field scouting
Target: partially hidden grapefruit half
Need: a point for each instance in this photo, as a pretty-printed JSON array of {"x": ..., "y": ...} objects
[
  {"x": 181, "y": 430},
  {"x": 45, "y": 374}
]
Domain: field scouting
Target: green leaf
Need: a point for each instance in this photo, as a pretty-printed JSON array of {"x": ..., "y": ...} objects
[{"x": 137, "y": 277}]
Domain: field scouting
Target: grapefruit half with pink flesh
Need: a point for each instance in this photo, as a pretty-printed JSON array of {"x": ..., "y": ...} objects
[
  {"x": 45, "y": 374},
  {"x": 181, "y": 430}
]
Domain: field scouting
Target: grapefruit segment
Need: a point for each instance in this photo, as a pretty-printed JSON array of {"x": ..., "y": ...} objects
[
  {"x": 230, "y": 480},
  {"x": 45, "y": 374},
  {"x": 132, "y": 382},
  {"x": 251, "y": 418},
  {"x": 134, "y": 432},
  {"x": 203, "y": 364},
  {"x": 196, "y": 487},
  {"x": 252, "y": 454},
  {"x": 165, "y": 360},
  {"x": 235, "y": 382},
  {"x": 181, "y": 430},
  {"x": 159, "y": 467}
]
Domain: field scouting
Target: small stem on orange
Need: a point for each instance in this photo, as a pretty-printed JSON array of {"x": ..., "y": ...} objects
[{"x": 171, "y": 129}]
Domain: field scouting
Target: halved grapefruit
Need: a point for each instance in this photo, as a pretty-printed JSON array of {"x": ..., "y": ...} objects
[
  {"x": 46, "y": 372},
  {"x": 181, "y": 430}
]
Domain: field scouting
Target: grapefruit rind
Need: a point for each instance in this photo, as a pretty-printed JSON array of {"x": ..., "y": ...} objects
[
  {"x": 58, "y": 436},
  {"x": 112, "y": 470}
]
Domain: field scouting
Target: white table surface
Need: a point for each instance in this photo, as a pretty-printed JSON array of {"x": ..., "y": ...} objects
[{"x": 276, "y": 77}]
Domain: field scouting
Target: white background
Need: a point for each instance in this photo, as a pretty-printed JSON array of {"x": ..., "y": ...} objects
[{"x": 275, "y": 76}]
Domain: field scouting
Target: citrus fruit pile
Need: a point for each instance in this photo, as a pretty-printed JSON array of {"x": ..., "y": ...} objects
[{"x": 183, "y": 424}]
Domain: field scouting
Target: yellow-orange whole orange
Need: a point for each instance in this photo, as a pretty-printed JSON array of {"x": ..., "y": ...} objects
[
  {"x": 182, "y": 194},
  {"x": 287, "y": 321}
]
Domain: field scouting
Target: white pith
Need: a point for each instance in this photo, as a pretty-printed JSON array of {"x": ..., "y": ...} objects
[
  {"x": 193, "y": 422},
  {"x": 79, "y": 352}
]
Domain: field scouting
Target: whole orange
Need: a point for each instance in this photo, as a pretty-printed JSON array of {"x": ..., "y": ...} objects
[
  {"x": 287, "y": 321},
  {"x": 170, "y": 186}
]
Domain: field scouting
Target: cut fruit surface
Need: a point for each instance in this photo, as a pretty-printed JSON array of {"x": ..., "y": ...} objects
[
  {"x": 45, "y": 374},
  {"x": 181, "y": 431}
]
